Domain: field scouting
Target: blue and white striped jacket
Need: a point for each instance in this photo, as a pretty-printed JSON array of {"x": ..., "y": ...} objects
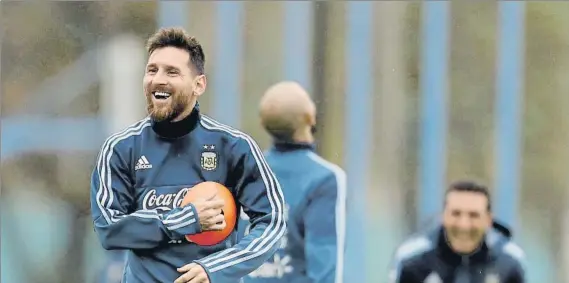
[{"x": 141, "y": 176}]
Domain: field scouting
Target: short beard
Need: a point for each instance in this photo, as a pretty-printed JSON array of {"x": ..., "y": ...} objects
[{"x": 177, "y": 106}]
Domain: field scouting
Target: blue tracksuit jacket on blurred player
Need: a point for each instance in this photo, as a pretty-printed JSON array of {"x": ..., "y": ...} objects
[
  {"x": 141, "y": 176},
  {"x": 315, "y": 194},
  {"x": 427, "y": 257}
]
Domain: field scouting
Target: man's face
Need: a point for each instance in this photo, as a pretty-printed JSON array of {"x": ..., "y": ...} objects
[
  {"x": 169, "y": 84},
  {"x": 466, "y": 219}
]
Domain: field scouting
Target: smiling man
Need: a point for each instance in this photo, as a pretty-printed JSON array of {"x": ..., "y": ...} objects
[
  {"x": 143, "y": 172},
  {"x": 467, "y": 247}
]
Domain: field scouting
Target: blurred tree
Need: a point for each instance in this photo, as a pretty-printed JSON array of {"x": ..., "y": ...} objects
[
  {"x": 262, "y": 60},
  {"x": 546, "y": 122},
  {"x": 388, "y": 191},
  {"x": 31, "y": 54},
  {"x": 471, "y": 96},
  {"x": 411, "y": 164},
  {"x": 332, "y": 121}
]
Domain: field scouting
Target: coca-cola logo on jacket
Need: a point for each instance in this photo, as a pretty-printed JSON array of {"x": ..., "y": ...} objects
[{"x": 165, "y": 202}]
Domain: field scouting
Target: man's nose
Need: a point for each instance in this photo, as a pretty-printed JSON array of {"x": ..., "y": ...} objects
[
  {"x": 463, "y": 222},
  {"x": 159, "y": 78}
]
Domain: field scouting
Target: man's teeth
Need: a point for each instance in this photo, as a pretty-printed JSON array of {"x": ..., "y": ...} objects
[{"x": 159, "y": 94}]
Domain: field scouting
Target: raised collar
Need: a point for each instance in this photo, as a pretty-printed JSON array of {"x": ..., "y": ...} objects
[
  {"x": 174, "y": 130},
  {"x": 290, "y": 146}
]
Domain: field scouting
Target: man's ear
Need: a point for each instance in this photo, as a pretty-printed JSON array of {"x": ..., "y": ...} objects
[
  {"x": 309, "y": 119},
  {"x": 200, "y": 85}
]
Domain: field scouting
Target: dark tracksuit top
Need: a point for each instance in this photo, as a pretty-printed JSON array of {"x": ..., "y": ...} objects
[
  {"x": 428, "y": 258},
  {"x": 312, "y": 250},
  {"x": 141, "y": 176}
]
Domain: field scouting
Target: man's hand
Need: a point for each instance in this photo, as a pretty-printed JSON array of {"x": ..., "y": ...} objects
[
  {"x": 193, "y": 273},
  {"x": 210, "y": 213}
]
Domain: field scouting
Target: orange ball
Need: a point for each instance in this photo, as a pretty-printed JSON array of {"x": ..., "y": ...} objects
[{"x": 206, "y": 190}]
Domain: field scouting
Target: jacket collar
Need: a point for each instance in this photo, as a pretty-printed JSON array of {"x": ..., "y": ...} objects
[
  {"x": 291, "y": 146},
  {"x": 173, "y": 130},
  {"x": 481, "y": 254}
]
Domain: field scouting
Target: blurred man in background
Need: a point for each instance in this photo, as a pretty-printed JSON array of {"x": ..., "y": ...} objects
[
  {"x": 469, "y": 246},
  {"x": 143, "y": 173},
  {"x": 315, "y": 193}
]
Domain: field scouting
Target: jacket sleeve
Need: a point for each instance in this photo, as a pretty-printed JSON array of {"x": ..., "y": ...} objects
[
  {"x": 324, "y": 226},
  {"x": 516, "y": 276},
  {"x": 117, "y": 224},
  {"x": 517, "y": 272},
  {"x": 402, "y": 270},
  {"x": 403, "y": 275},
  {"x": 260, "y": 196}
]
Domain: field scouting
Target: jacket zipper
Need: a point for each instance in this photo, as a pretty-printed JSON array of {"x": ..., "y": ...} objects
[{"x": 466, "y": 265}]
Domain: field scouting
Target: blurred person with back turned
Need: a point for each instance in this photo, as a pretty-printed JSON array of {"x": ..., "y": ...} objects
[
  {"x": 315, "y": 193},
  {"x": 469, "y": 246},
  {"x": 143, "y": 173}
]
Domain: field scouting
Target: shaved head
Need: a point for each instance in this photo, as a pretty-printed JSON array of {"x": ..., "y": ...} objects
[{"x": 287, "y": 112}]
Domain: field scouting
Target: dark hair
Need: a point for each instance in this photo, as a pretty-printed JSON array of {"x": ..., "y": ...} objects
[
  {"x": 179, "y": 38},
  {"x": 472, "y": 187}
]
